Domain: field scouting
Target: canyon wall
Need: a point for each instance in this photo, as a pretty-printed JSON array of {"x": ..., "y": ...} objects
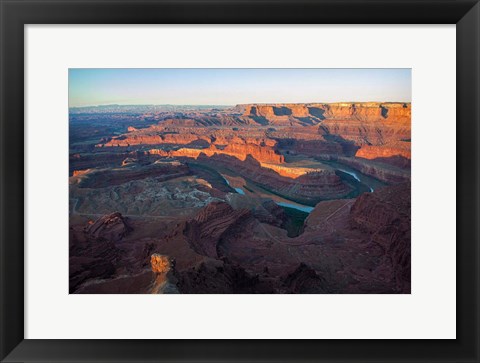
[
  {"x": 366, "y": 111},
  {"x": 239, "y": 149},
  {"x": 368, "y": 130},
  {"x": 386, "y": 151}
]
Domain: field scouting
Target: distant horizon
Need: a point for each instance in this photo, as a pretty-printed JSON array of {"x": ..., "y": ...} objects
[
  {"x": 90, "y": 87},
  {"x": 233, "y": 105}
]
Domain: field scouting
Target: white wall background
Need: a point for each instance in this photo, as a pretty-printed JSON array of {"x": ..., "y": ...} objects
[{"x": 429, "y": 312}]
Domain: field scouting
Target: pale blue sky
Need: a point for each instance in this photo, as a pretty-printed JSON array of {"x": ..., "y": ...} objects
[{"x": 228, "y": 86}]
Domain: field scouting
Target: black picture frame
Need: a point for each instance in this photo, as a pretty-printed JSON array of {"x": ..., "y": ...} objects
[{"x": 17, "y": 13}]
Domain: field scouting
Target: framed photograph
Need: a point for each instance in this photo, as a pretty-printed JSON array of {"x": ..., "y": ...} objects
[{"x": 240, "y": 181}]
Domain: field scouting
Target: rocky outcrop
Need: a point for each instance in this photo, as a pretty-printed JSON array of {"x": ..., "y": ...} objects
[
  {"x": 160, "y": 264},
  {"x": 164, "y": 269},
  {"x": 386, "y": 216},
  {"x": 261, "y": 150},
  {"x": 79, "y": 163},
  {"x": 112, "y": 227},
  {"x": 146, "y": 196},
  {"x": 81, "y": 172},
  {"x": 153, "y": 135},
  {"x": 220, "y": 277},
  {"x": 128, "y": 161},
  {"x": 388, "y": 173},
  {"x": 107, "y": 177},
  {"x": 271, "y": 213},
  {"x": 384, "y": 151},
  {"x": 239, "y": 149},
  {"x": 206, "y": 229},
  {"x": 305, "y": 280},
  {"x": 388, "y": 206},
  {"x": 91, "y": 258}
]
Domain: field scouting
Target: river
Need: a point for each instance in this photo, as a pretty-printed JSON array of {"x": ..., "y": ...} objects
[
  {"x": 238, "y": 190},
  {"x": 355, "y": 176},
  {"x": 300, "y": 207},
  {"x": 367, "y": 181}
]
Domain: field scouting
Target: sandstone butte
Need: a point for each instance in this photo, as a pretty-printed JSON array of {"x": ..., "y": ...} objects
[{"x": 373, "y": 152}]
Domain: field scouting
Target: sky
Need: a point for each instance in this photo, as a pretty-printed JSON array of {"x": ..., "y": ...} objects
[{"x": 229, "y": 86}]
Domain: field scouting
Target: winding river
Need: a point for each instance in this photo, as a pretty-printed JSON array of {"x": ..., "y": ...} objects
[
  {"x": 300, "y": 207},
  {"x": 238, "y": 190},
  {"x": 360, "y": 178},
  {"x": 355, "y": 176}
]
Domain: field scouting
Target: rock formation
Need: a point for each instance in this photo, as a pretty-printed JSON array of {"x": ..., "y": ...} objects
[
  {"x": 220, "y": 277},
  {"x": 91, "y": 257},
  {"x": 165, "y": 280},
  {"x": 206, "y": 229},
  {"x": 271, "y": 213},
  {"x": 385, "y": 216},
  {"x": 240, "y": 150},
  {"x": 112, "y": 227},
  {"x": 160, "y": 264},
  {"x": 304, "y": 280},
  {"x": 105, "y": 177},
  {"x": 379, "y": 170},
  {"x": 282, "y": 114}
]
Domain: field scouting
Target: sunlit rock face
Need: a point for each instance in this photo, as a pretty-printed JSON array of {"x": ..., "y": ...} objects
[
  {"x": 260, "y": 151},
  {"x": 317, "y": 112},
  {"x": 394, "y": 149},
  {"x": 165, "y": 281},
  {"x": 160, "y": 264}
]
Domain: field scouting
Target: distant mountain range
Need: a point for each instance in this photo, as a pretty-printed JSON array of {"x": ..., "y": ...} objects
[{"x": 142, "y": 108}]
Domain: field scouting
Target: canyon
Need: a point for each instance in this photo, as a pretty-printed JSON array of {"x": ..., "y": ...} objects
[{"x": 253, "y": 198}]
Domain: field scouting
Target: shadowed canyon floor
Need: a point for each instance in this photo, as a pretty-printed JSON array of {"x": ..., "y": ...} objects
[{"x": 277, "y": 198}]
